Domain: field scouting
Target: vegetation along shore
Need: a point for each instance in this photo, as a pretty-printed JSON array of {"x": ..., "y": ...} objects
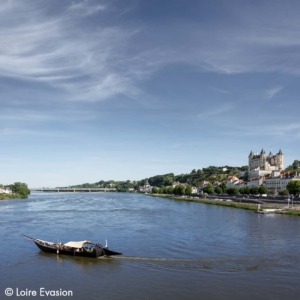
[
  {"x": 248, "y": 206},
  {"x": 14, "y": 191}
]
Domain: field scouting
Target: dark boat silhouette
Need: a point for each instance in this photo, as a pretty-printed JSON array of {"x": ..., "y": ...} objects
[{"x": 79, "y": 248}]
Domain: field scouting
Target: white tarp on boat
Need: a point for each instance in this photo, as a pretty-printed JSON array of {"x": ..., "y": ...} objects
[{"x": 78, "y": 244}]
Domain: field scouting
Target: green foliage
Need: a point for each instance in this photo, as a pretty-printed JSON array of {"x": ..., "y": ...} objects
[
  {"x": 242, "y": 190},
  {"x": 179, "y": 190},
  {"x": 244, "y": 168},
  {"x": 170, "y": 190},
  {"x": 155, "y": 190},
  {"x": 188, "y": 190},
  {"x": 208, "y": 189},
  {"x": 160, "y": 180},
  {"x": 283, "y": 192},
  {"x": 254, "y": 190},
  {"x": 294, "y": 187},
  {"x": 223, "y": 186},
  {"x": 262, "y": 190},
  {"x": 195, "y": 178},
  {"x": 247, "y": 190},
  {"x": 294, "y": 166},
  {"x": 162, "y": 190},
  {"x": 232, "y": 191},
  {"x": 218, "y": 190},
  {"x": 272, "y": 192},
  {"x": 20, "y": 188}
]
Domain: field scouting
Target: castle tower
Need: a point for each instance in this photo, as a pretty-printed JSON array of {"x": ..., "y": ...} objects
[
  {"x": 262, "y": 159},
  {"x": 249, "y": 160},
  {"x": 279, "y": 160}
]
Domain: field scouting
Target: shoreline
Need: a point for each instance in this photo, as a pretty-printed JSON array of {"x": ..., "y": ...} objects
[
  {"x": 10, "y": 196},
  {"x": 246, "y": 206}
]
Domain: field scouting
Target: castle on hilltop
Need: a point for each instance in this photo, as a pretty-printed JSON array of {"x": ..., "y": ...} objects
[
  {"x": 262, "y": 164},
  {"x": 266, "y": 162}
]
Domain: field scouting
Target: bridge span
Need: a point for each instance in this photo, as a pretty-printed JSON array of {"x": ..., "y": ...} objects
[{"x": 72, "y": 190}]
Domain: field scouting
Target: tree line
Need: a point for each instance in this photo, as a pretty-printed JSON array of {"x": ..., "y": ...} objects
[
  {"x": 293, "y": 187},
  {"x": 19, "y": 189},
  {"x": 194, "y": 178}
]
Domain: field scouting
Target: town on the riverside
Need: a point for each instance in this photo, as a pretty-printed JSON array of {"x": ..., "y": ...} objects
[{"x": 265, "y": 171}]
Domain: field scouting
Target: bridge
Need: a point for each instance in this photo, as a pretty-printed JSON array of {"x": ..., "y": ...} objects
[{"x": 73, "y": 190}]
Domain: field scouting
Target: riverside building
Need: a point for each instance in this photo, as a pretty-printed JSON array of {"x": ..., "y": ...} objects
[{"x": 263, "y": 164}]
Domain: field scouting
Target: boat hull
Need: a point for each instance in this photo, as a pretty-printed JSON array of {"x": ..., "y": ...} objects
[{"x": 83, "y": 252}]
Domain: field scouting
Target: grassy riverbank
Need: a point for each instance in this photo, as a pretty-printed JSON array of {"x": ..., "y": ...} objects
[
  {"x": 10, "y": 196},
  {"x": 247, "y": 206}
]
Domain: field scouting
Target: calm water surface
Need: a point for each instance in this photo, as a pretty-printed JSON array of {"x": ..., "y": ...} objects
[{"x": 171, "y": 249}]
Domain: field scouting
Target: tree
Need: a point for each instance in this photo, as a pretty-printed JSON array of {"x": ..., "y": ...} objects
[
  {"x": 272, "y": 192},
  {"x": 208, "y": 189},
  {"x": 295, "y": 164},
  {"x": 232, "y": 191},
  {"x": 283, "y": 192},
  {"x": 181, "y": 189},
  {"x": 20, "y": 188},
  {"x": 254, "y": 190},
  {"x": 262, "y": 190},
  {"x": 188, "y": 190},
  {"x": 162, "y": 190},
  {"x": 247, "y": 190},
  {"x": 242, "y": 190},
  {"x": 155, "y": 190},
  {"x": 170, "y": 190},
  {"x": 175, "y": 190},
  {"x": 223, "y": 186},
  {"x": 244, "y": 168},
  {"x": 294, "y": 187},
  {"x": 218, "y": 190}
]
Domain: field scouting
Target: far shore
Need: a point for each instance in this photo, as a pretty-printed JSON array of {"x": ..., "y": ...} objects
[{"x": 295, "y": 211}]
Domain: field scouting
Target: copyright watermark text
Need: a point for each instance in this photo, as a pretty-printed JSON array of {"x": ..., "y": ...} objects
[{"x": 42, "y": 292}]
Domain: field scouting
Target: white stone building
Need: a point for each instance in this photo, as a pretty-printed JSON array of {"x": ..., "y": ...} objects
[
  {"x": 263, "y": 164},
  {"x": 279, "y": 181},
  {"x": 194, "y": 190},
  {"x": 257, "y": 181},
  {"x": 146, "y": 188},
  {"x": 5, "y": 191}
]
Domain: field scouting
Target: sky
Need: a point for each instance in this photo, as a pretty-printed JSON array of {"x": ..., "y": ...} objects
[{"x": 129, "y": 89}]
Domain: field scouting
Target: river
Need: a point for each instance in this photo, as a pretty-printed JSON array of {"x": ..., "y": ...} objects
[{"x": 171, "y": 249}]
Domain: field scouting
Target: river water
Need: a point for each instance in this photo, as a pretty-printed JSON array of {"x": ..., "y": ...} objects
[{"x": 171, "y": 249}]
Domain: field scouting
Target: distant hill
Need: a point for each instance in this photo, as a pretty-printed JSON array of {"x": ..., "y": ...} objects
[{"x": 194, "y": 178}]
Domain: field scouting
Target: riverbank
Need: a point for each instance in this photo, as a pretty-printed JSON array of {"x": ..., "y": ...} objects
[
  {"x": 11, "y": 196},
  {"x": 248, "y": 206}
]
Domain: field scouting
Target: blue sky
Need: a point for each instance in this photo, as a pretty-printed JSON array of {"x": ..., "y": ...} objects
[{"x": 93, "y": 90}]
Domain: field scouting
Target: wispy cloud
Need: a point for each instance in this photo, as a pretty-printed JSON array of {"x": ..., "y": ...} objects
[
  {"x": 215, "y": 110},
  {"x": 97, "y": 61},
  {"x": 86, "y": 8},
  {"x": 88, "y": 64},
  {"x": 61, "y": 116},
  {"x": 218, "y": 90},
  {"x": 273, "y": 91},
  {"x": 27, "y": 132},
  {"x": 282, "y": 131}
]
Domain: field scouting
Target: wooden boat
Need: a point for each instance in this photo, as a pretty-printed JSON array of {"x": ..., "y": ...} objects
[{"x": 79, "y": 248}]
